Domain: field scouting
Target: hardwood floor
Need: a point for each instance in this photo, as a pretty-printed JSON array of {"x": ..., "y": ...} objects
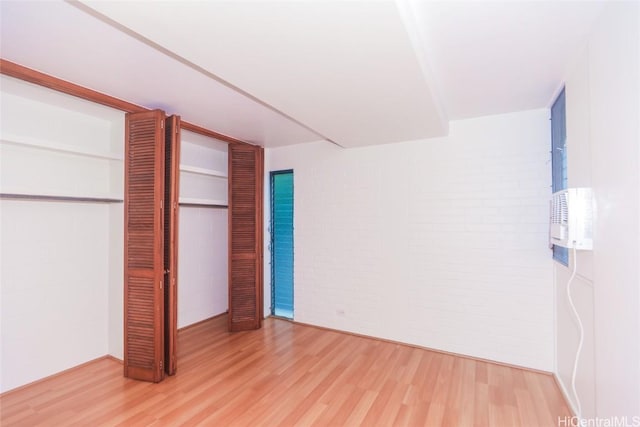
[{"x": 288, "y": 374}]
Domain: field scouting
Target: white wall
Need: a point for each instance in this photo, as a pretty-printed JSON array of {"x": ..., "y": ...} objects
[
  {"x": 603, "y": 97},
  {"x": 202, "y": 270},
  {"x": 440, "y": 243},
  {"x": 116, "y": 280},
  {"x": 54, "y": 275},
  {"x": 203, "y": 229}
]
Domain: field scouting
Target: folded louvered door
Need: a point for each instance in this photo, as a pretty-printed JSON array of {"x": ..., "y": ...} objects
[
  {"x": 143, "y": 249},
  {"x": 245, "y": 237},
  {"x": 171, "y": 189}
]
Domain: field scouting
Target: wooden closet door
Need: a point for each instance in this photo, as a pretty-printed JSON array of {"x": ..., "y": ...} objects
[
  {"x": 245, "y": 237},
  {"x": 143, "y": 248},
  {"x": 172, "y": 186}
]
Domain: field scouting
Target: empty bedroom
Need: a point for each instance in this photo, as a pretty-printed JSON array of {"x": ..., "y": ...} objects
[{"x": 329, "y": 213}]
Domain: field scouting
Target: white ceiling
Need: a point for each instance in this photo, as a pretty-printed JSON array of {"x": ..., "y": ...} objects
[{"x": 285, "y": 72}]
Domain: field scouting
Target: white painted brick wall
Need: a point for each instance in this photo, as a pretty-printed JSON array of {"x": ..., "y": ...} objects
[{"x": 440, "y": 243}]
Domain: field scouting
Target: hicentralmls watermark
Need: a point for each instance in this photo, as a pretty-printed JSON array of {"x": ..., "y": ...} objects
[{"x": 625, "y": 421}]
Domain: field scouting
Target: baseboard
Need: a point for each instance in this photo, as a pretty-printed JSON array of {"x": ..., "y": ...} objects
[
  {"x": 449, "y": 353},
  {"x": 200, "y": 322},
  {"x": 565, "y": 394},
  {"x": 107, "y": 357},
  {"x": 57, "y": 374},
  {"x": 286, "y": 319},
  {"x": 115, "y": 359}
]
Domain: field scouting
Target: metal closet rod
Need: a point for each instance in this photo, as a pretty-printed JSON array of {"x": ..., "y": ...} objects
[
  {"x": 49, "y": 198},
  {"x": 198, "y": 205},
  {"x": 80, "y": 199}
]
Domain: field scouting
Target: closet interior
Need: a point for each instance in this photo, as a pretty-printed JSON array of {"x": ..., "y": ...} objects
[{"x": 63, "y": 185}]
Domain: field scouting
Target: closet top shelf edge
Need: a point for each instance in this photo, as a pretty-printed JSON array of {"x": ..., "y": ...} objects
[
  {"x": 203, "y": 171},
  {"x": 58, "y": 147}
]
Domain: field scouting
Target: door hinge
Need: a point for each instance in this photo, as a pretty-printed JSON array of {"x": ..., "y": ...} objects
[
  {"x": 160, "y": 284},
  {"x": 161, "y": 364},
  {"x": 161, "y": 203}
]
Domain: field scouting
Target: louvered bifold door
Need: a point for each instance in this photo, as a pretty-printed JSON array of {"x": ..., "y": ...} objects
[
  {"x": 171, "y": 191},
  {"x": 143, "y": 247},
  {"x": 245, "y": 237}
]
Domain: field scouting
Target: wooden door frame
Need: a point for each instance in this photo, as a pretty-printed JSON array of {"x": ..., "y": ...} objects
[{"x": 172, "y": 133}]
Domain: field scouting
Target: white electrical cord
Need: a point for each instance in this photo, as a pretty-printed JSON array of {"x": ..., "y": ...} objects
[{"x": 580, "y": 327}]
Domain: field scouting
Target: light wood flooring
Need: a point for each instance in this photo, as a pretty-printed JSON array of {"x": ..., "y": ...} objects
[{"x": 287, "y": 374}]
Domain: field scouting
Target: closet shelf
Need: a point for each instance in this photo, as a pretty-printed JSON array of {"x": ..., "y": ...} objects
[
  {"x": 189, "y": 201},
  {"x": 203, "y": 171},
  {"x": 55, "y": 198},
  {"x": 58, "y": 147}
]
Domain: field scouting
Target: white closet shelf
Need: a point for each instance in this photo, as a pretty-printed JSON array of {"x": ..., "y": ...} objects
[
  {"x": 203, "y": 171},
  {"x": 58, "y": 147},
  {"x": 202, "y": 202}
]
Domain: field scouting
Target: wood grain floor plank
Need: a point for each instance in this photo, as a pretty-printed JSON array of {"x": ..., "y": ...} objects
[
  {"x": 286, "y": 375},
  {"x": 481, "y": 404}
]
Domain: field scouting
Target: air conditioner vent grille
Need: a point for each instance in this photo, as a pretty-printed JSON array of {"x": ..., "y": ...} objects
[
  {"x": 571, "y": 219},
  {"x": 559, "y": 211}
]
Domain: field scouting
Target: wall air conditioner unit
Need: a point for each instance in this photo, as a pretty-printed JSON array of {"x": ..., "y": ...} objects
[{"x": 572, "y": 219}]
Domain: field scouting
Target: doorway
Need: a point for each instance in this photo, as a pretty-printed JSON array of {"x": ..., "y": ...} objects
[{"x": 282, "y": 243}]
